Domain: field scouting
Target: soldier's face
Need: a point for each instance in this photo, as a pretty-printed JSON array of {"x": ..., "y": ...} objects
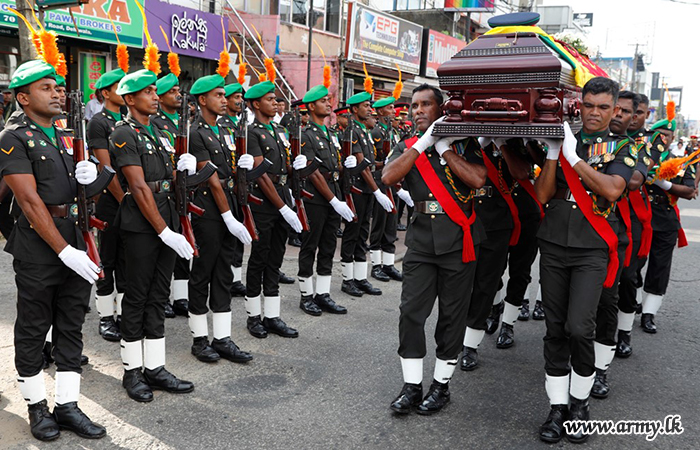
[
  {"x": 144, "y": 101},
  {"x": 61, "y": 95},
  {"x": 639, "y": 117},
  {"x": 371, "y": 122},
  {"x": 111, "y": 95},
  {"x": 621, "y": 122},
  {"x": 172, "y": 99},
  {"x": 387, "y": 111},
  {"x": 666, "y": 136},
  {"x": 214, "y": 101},
  {"x": 342, "y": 121},
  {"x": 267, "y": 105},
  {"x": 597, "y": 110},
  {"x": 425, "y": 109},
  {"x": 321, "y": 108},
  {"x": 235, "y": 102},
  {"x": 362, "y": 111},
  {"x": 43, "y": 98},
  {"x": 7, "y": 97}
]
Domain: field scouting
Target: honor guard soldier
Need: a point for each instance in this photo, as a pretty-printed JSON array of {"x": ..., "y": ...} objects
[
  {"x": 324, "y": 210},
  {"x": 167, "y": 120},
  {"x": 580, "y": 182},
  {"x": 53, "y": 273},
  {"x": 234, "y": 106},
  {"x": 353, "y": 248},
  {"x": 61, "y": 120},
  {"x": 149, "y": 224},
  {"x": 342, "y": 115},
  {"x": 442, "y": 241},
  {"x": 217, "y": 230},
  {"x": 267, "y": 141}
]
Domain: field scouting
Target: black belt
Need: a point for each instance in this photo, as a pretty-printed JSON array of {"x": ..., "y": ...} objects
[
  {"x": 278, "y": 179},
  {"x": 331, "y": 176},
  {"x": 658, "y": 199},
  {"x": 160, "y": 186},
  {"x": 226, "y": 184},
  {"x": 565, "y": 194},
  {"x": 486, "y": 191},
  {"x": 65, "y": 211}
]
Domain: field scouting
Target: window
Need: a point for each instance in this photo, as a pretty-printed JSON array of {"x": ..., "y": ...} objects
[{"x": 327, "y": 13}]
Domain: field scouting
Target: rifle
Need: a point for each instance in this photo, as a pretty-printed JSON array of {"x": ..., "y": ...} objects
[
  {"x": 299, "y": 176},
  {"x": 244, "y": 178},
  {"x": 386, "y": 149},
  {"x": 86, "y": 219},
  {"x": 348, "y": 182},
  {"x": 184, "y": 182}
]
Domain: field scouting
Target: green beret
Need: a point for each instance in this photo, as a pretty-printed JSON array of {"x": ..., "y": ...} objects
[
  {"x": 136, "y": 81},
  {"x": 60, "y": 81},
  {"x": 206, "y": 84},
  {"x": 109, "y": 78},
  {"x": 231, "y": 89},
  {"x": 164, "y": 84},
  {"x": 259, "y": 90},
  {"x": 359, "y": 98},
  {"x": 386, "y": 101},
  {"x": 30, "y": 72},
  {"x": 664, "y": 125},
  {"x": 315, "y": 93}
]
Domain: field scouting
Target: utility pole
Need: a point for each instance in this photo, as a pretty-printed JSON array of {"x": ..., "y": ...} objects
[
  {"x": 634, "y": 69},
  {"x": 312, "y": 17},
  {"x": 26, "y": 47}
]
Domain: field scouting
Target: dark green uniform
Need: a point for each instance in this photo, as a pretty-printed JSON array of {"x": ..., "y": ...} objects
[
  {"x": 231, "y": 123},
  {"x": 382, "y": 237}
]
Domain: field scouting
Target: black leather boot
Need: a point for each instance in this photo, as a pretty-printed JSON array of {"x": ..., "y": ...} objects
[
  {"x": 277, "y": 326},
  {"x": 284, "y": 279},
  {"x": 349, "y": 288},
  {"x": 327, "y": 304},
  {"x": 256, "y": 328},
  {"x": 307, "y": 305},
  {"x": 42, "y": 423},
  {"x": 180, "y": 307},
  {"x": 84, "y": 360},
  {"x": 378, "y": 273},
  {"x": 203, "y": 351},
  {"x": 237, "y": 289},
  {"x": 494, "y": 318},
  {"x": 411, "y": 395},
  {"x": 624, "y": 344},
  {"x": 506, "y": 338},
  {"x": 524, "y": 310},
  {"x": 136, "y": 386},
  {"x": 229, "y": 350},
  {"x": 552, "y": 430},
  {"x": 470, "y": 359},
  {"x": 601, "y": 388},
  {"x": 161, "y": 379},
  {"x": 438, "y": 396},
  {"x": 70, "y": 417},
  {"x": 366, "y": 287},
  {"x": 108, "y": 329},
  {"x": 578, "y": 411},
  {"x": 648, "y": 324},
  {"x": 169, "y": 313},
  {"x": 538, "y": 311},
  {"x": 393, "y": 273}
]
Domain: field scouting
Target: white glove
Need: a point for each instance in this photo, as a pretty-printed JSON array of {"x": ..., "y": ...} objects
[
  {"x": 663, "y": 184},
  {"x": 485, "y": 141},
  {"x": 85, "y": 172},
  {"x": 350, "y": 162},
  {"x": 383, "y": 200},
  {"x": 569, "y": 146},
  {"x": 236, "y": 228},
  {"x": 342, "y": 209},
  {"x": 187, "y": 162},
  {"x": 553, "y": 147},
  {"x": 427, "y": 140},
  {"x": 445, "y": 144},
  {"x": 79, "y": 262},
  {"x": 177, "y": 242},
  {"x": 246, "y": 162},
  {"x": 291, "y": 218},
  {"x": 405, "y": 196},
  {"x": 299, "y": 162},
  {"x": 500, "y": 142}
]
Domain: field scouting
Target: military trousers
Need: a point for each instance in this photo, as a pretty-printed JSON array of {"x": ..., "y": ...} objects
[
  {"x": 606, "y": 317},
  {"x": 353, "y": 247},
  {"x": 521, "y": 256},
  {"x": 382, "y": 234},
  {"x": 111, "y": 248},
  {"x": 629, "y": 279},
  {"x": 266, "y": 255},
  {"x": 660, "y": 258},
  {"x": 319, "y": 243}
]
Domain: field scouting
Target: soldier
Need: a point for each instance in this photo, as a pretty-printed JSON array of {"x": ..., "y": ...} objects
[
  {"x": 167, "y": 120},
  {"x": 267, "y": 140},
  {"x": 578, "y": 250},
  {"x": 50, "y": 264},
  {"x": 149, "y": 225},
  {"x": 342, "y": 115},
  {"x": 324, "y": 210},
  {"x": 61, "y": 120},
  {"x": 353, "y": 248},
  {"x": 100, "y": 127},
  {"x": 443, "y": 243}
]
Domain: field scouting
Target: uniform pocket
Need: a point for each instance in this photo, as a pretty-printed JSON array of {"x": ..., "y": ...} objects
[{"x": 43, "y": 166}]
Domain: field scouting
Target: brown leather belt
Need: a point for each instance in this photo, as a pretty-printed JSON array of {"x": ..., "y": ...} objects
[
  {"x": 65, "y": 211},
  {"x": 278, "y": 179},
  {"x": 331, "y": 176},
  {"x": 160, "y": 186}
]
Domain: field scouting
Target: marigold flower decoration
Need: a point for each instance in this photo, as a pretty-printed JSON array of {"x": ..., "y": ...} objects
[
  {"x": 151, "y": 59},
  {"x": 224, "y": 56},
  {"x": 670, "y": 168},
  {"x": 122, "y": 52}
]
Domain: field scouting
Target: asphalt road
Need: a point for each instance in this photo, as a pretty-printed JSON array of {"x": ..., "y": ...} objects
[{"x": 331, "y": 387}]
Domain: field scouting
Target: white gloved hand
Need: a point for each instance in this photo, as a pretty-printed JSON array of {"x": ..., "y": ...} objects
[
  {"x": 85, "y": 172},
  {"x": 445, "y": 144},
  {"x": 291, "y": 218},
  {"x": 177, "y": 242},
  {"x": 383, "y": 200},
  {"x": 236, "y": 228},
  {"x": 350, "y": 162},
  {"x": 485, "y": 141},
  {"x": 569, "y": 146},
  {"x": 663, "y": 184},
  {"x": 79, "y": 262},
  {"x": 246, "y": 162},
  {"x": 405, "y": 196},
  {"x": 187, "y": 162},
  {"x": 427, "y": 140},
  {"x": 500, "y": 142},
  {"x": 342, "y": 209},
  {"x": 553, "y": 147},
  {"x": 299, "y": 162}
]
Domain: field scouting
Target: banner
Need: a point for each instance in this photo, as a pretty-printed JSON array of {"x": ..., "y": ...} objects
[
  {"x": 92, "y": 66},
  {"x": 440, "y": 48},
  {"x": 470, "y": 5},
  {"x": 190, "y": 32},
  {"x": 93, "y": 23},
  {"x": 383, "y": 40}
]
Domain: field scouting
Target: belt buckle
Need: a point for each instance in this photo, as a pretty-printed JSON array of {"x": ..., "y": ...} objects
[
  {"x": 484, "y": 191},
  {"x": 73, "y": 211},
  {"x": 283, "y": 179},
  {"x": 433, "y": 207},
  {"x": 165, "y": 186}
]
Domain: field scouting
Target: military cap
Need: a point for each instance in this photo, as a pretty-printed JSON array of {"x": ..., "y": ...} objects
[
  {"x": 342, "y": 110},
  {"x": 315, "y": 93},
  {"x": 664, "y": 124},
  {"x": 259, "y": 90},
  {"x": 231, "y": 89},
  {"x": 358, "y": 98},
  {"x": 109, "y": 78},
  {"x": 136, "y": 81},
  {"x": 164, "y": 84},
  {"x": 386, "y": 101},
  {"x": 206, "y": 84},
  {"x": 303, "y": 109},
  {"x": 30, "y": 72}
]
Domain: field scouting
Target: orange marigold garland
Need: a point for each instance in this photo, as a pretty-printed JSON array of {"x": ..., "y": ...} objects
[
  {"x": 670, "y": 168},
  {"x": 152, "y": 56}
]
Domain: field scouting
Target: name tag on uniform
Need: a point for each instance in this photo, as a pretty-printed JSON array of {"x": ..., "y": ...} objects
[{"x": 165, "y": 142}]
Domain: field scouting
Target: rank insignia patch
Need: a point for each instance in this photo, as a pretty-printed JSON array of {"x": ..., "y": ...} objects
[
  {"x": 30, "y": 143},
  {"x": 120, "y": 145},
  {"x": 7, "y": 152},
  {"x": 629, "y": 162},
  {"x": 29, "y": 133}
]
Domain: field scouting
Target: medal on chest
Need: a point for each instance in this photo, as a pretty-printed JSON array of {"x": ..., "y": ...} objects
[
  {"x": 165, "y": 142},
  {"x": 67, "y": 142},
  {"x": 284, "y": 139},
  {"x": 601, "y": 152}
]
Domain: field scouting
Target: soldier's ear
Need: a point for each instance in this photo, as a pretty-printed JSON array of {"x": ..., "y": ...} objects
[{"x": 22, "y": 98}]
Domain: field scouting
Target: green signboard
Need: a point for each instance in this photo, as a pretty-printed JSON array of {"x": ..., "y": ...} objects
[
  {"x": 92, "y": 66},
  {"x": 92, "y": 20}
]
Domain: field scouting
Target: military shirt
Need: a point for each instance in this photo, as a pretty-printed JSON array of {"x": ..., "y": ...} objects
[
  {"x": 325, "y": 146},
  {"x": 274, "y": 146},
  {"x": 663, "y": 213},
  {"x": 133, "y": 145},
  {"x": 362, "y": 143},
  {"x": 650, "y": 146},
  {"x": 25, "y": 149},
  {"x": 437, "y": 234},
  {"x": 227, "y": 122},
  {"x": 564, "y": 224},
  {"x": 98, "y": 130},
  {"x": 165, "y": 124}
]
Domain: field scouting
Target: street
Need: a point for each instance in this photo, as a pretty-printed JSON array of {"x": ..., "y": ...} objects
[{"x": 331, "y": 387}]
